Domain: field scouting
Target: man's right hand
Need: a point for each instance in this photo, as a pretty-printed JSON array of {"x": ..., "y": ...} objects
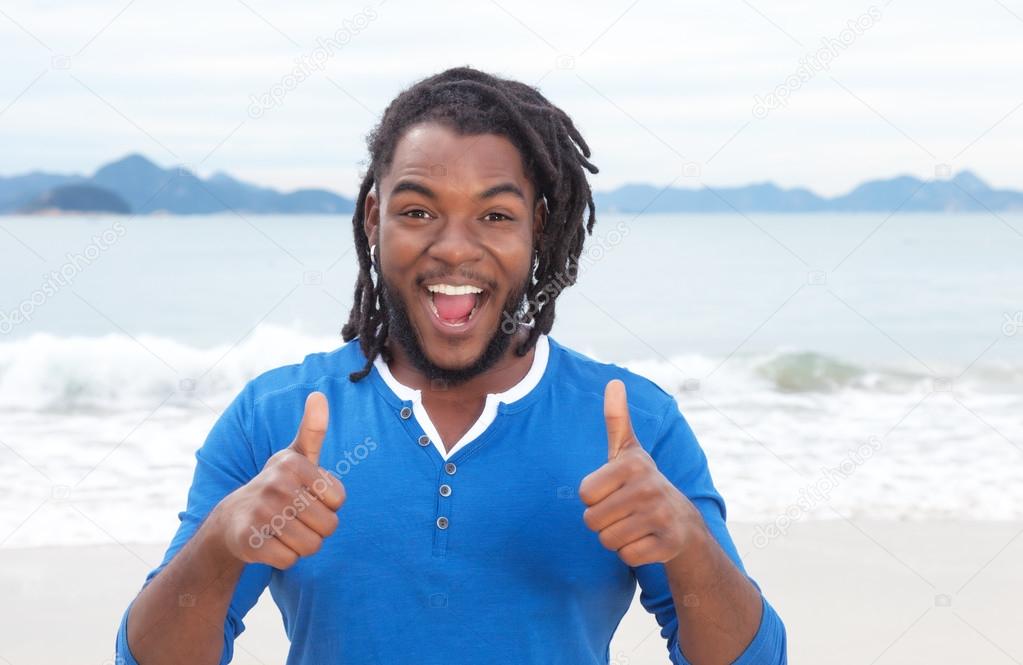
[{"x": 286, "y": 511}]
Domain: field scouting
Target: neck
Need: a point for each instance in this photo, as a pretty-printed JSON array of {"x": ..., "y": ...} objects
[{"x": 502, "y": 375}]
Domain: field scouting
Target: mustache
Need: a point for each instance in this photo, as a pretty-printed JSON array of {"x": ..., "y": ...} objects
[{"x": 466, "y": 275}]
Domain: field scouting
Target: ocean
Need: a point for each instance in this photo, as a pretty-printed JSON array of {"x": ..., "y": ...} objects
[{"x": 832, "y": 366}]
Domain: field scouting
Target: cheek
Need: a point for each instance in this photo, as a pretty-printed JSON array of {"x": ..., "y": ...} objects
[
  {"x": 397, "y": 248},
  {"x": 516, "y": 259}
]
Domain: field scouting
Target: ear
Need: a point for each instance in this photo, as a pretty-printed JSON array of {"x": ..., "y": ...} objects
[
  {"x": 539, "y": 217},
  {"x": 371, "y": 217}
]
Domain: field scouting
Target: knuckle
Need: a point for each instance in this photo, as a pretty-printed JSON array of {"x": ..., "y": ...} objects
[
  {"x": 607, "y": 539},
  {"x": 291, "y": 461},
  {"x": 260, "y": 514},
  {"x": 319, "y": 489},
  {"x": 587, "y": 493},
  {"x": 312, "y": 547},
  {"x": 274, "y": 479},
  {"x": 633, "y": 559},
  {"x": 283, "y": 459},
  {"x": 277, "y": 458},
  {"x": 333, "y": 502},
  {"x": 273, "y": 495},
  {"x": 329, "y": 525}
]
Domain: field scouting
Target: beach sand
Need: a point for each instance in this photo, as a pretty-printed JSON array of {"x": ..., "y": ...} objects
[{"x": 869, "y": 592}]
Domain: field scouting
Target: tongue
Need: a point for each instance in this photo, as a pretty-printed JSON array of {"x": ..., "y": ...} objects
[{"x": 454, "y": 308}]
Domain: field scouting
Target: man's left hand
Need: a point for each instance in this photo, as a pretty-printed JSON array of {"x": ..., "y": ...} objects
[{"x": 634, "y": 509}]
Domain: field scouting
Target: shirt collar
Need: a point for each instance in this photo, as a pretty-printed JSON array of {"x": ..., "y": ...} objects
[{"x": 512, "y": 394}]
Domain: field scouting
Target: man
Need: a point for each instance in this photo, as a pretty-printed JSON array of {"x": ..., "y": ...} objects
[{"x": 502, "y": 495}]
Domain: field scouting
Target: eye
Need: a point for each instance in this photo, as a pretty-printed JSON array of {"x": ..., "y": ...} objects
[
  {"x": 416, "y": 213},
  {"x": 496, "y": 217}
]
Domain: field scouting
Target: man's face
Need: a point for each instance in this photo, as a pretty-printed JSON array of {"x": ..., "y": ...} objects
[{"x": 454, "y": 225}]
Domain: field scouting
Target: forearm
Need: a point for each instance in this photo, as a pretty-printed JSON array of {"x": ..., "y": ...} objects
[
  {"x": 718, "y": 608},
  {"x": 179, "y": 616}
]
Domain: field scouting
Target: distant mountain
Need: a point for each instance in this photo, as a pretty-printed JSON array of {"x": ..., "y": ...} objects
[
  {"x": 19, "y": 191},
  {"x": 759, "y": 197},
  {"x": 78, "y": 198},
  {"x": 148, "y": 188},
  {"x": 963, "y": 193}
]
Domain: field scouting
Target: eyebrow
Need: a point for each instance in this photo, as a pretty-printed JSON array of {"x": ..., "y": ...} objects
[{"x": 502, "y": 188}]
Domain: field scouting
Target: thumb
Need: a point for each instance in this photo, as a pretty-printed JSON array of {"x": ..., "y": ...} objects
[
  {"x": 616, "y": 416},
  {"x": 313, "y": 427}
]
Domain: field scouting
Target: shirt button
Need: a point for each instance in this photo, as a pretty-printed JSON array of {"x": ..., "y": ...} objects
[
  {"x": 424, "y": 440},
  {"x": 405, "y": 413},
  {"x": 450, "y": 468},
  {"x": 442, "y": 522},
  {"x": 445, "y": 490}
]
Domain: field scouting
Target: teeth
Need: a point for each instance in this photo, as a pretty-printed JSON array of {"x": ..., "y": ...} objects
[
  {"x": 453, "y": 290},
  {"x": 433, "y": 308}
]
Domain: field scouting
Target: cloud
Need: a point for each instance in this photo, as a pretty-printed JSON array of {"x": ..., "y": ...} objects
[{"x": 644, "y": 81}]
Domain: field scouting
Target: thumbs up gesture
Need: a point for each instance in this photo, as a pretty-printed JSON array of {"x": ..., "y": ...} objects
[
  {"x": 633, "y": 508},
  {"x": 290, "y": 507}
]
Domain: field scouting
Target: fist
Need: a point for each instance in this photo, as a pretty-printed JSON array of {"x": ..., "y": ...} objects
[
  {"x": 287, "y": 510},
  {"x": 632, "y": 507}
]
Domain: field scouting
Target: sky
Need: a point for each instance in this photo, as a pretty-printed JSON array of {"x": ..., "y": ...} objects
[{"x": 818, "y": 95}]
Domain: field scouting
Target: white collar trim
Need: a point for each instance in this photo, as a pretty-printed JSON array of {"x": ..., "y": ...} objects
[{"x": 512, "y": 394}]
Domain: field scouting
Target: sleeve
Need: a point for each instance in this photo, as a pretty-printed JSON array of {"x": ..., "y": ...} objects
[
  {"x": 679, "y": 457},
  {"x": 225, "y": 462}
]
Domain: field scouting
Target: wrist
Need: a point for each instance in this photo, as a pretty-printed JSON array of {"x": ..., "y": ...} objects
[
  {"x": 695, "y": 553},
  {"x": 213, "y": 539}
]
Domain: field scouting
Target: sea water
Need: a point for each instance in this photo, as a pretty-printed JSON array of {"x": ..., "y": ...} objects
[{"x": 863, "y": 366}]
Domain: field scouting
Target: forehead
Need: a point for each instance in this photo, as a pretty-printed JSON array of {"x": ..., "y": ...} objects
[{"x": 435, "y": 151}]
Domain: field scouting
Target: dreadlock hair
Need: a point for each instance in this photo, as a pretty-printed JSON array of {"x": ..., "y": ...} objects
[{"x": 554, "y": 156}]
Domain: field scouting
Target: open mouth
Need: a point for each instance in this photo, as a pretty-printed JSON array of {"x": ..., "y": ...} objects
[{"x": 455, "y": 305}]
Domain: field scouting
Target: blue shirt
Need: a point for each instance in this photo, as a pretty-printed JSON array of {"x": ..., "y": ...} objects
[{"x": 511, "y": 574}]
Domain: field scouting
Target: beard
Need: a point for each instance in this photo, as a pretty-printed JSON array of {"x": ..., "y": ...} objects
[{"x": 401, "y": 329}]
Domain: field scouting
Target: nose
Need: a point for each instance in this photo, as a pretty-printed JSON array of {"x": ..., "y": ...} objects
[{"x": 456, "y": 243}]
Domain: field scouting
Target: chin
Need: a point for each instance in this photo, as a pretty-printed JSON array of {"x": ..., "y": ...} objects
[
  {"x": 454, "y": 352},
  {"x": 446, "y": 351}
]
